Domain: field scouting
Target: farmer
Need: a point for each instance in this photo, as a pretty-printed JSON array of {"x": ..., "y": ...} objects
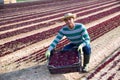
[{"x": 78, "y": 36}]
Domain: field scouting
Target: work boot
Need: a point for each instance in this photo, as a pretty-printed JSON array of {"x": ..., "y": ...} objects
[
  {"x": 85, "y": 63},
  {"x": 85, "y": 69}
]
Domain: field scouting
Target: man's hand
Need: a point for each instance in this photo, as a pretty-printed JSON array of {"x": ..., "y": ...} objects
[{"x": 47, "y": 54}]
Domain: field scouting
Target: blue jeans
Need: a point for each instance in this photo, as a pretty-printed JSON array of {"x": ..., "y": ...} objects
[{"x": 86, "y": 49}]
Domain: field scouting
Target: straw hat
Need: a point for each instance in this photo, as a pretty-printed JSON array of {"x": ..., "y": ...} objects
[{"x": 69, "y": 15}]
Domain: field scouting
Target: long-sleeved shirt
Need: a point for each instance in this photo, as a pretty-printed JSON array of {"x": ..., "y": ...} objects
[{"x": 78, "y": 35}]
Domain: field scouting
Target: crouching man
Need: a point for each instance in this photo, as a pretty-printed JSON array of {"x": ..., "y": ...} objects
[{"x": 78, "y": 36}]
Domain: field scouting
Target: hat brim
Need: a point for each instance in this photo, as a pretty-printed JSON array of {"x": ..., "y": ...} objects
[{"x": 71, "y": 16}]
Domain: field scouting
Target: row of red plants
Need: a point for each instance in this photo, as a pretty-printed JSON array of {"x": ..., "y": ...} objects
[
  {"x": 10, "y": 11},
  {"x": 114, "y": 64},
  {"x": 95, "y": 32},
  {"x": 85, "y": 21},
  {"x": 103, "y": 65},
  {"x": 40, "y": 14},
  {"x": 48, "y": 18},
  {"x": 20, "y": 43}
]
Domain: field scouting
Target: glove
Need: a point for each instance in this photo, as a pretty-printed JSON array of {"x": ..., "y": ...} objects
[
  {"x": 47, "y": 54},
  {"x": 80, "y": 48}
]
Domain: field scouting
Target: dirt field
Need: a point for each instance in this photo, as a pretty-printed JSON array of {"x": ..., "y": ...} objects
[{"x": 22, "y": 58}]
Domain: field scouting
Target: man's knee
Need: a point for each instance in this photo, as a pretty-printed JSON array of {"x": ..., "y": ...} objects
[{"x": 87, "y": 50}]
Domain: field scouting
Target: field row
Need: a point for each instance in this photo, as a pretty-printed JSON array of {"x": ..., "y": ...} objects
[
  {"x": 84, "y": 21},
  {"x": 34, "y": 8},
  {"x": 33, "y": 21},
  {"x": 94, "y": 32},
  {"x": 20, "y": 43},
  {"x": 41, "y": 14},
  {"x": 113, "y": 63}
]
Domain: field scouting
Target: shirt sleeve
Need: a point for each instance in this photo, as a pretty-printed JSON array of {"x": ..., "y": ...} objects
[
  {"x": 85, "y": 36},
  {"x": 59, "y": 36}
]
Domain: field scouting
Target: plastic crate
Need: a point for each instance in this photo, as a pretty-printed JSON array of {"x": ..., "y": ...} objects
[{"x": 75, "y": 67}]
